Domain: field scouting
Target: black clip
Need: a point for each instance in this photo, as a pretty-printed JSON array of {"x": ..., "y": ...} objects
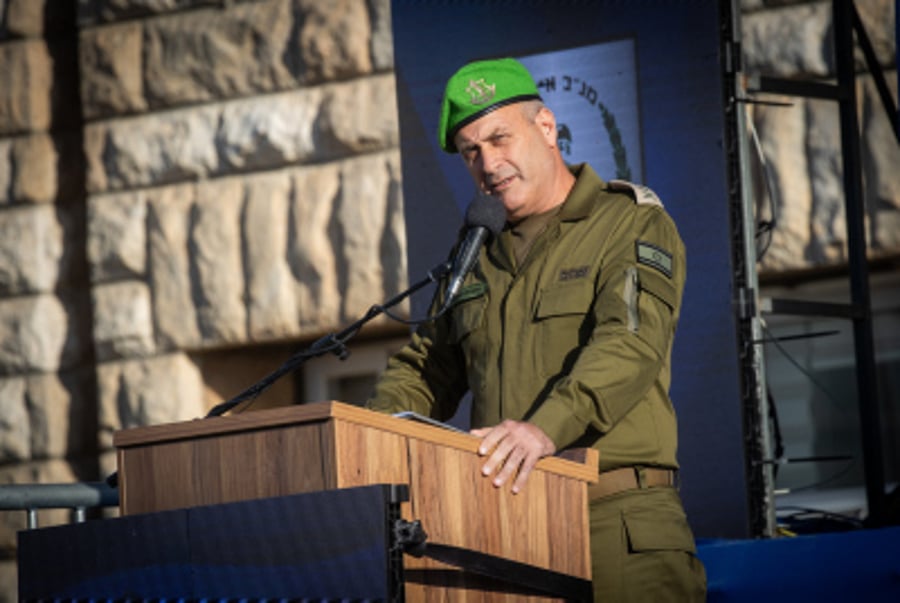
[{"x": 410, "y": 537}]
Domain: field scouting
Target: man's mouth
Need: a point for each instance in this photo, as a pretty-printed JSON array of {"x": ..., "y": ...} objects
[{"x": 500, "y": 186}]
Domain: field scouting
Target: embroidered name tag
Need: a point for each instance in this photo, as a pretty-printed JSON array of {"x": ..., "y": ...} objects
[
  {"x": 570, "y": 274},
  {"x": 655, "y": 257}
]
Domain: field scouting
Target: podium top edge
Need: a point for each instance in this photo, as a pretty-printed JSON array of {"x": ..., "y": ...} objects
[
  {"x": 209, "y": 426},
  {"x": 580, "y": 463}
]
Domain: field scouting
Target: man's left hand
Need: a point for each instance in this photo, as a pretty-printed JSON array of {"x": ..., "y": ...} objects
[{"x": 515, "y": 447}]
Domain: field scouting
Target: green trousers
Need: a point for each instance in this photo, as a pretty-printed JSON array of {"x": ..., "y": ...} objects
[{"x": 642, "y": 549}]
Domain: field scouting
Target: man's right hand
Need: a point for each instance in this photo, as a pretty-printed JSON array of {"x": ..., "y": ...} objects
[{"x": 514, "y": 447}]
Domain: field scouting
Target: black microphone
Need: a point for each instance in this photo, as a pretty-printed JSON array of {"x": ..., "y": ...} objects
[{"x": 485, "y": 217}]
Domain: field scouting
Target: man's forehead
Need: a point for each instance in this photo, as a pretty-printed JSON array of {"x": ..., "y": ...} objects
[{"x": 498, "y": 120}]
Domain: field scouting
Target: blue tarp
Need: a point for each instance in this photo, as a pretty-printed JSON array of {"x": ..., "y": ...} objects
[{"x": 862, "y": 565}]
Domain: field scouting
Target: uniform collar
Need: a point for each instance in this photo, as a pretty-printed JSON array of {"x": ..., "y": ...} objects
[
  {"x": 578, "y": 205},
  {"x": 581, "y": 200}
]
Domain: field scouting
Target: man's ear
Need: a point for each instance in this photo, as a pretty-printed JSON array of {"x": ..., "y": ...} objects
[{"x": 546, "y": 121}]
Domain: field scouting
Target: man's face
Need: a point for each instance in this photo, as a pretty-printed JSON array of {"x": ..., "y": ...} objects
[{"x": 511, "y": 156}]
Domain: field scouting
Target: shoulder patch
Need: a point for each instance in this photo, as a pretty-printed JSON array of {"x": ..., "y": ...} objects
[
  {"x": 471, "y": 291},
  {"x": 643, "y": 195},
  {"x": 655, "y": 257}
]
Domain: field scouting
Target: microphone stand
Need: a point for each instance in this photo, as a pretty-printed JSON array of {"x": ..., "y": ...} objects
[{"x": 335, "y": 343}]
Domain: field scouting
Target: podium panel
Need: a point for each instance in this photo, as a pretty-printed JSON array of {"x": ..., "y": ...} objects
[
  {"x": 321, "y": 546},
  {"x": 330, "y": 445}
]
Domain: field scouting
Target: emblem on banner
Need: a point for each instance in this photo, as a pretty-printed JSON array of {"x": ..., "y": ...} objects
[{"x": 564, "y": 139}]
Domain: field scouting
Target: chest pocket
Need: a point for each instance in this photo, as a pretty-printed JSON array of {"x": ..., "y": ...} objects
[
  {"x": 561, "y": 318},
  {"x": 469, "y": 332},
  {"x": 468, "y": 316},
  {"x": 565, "y": 300}
]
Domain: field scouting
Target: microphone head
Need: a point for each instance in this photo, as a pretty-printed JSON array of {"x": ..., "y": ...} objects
[{"x": 487, "y": 211}]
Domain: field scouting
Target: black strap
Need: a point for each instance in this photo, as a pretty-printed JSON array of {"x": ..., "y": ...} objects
[{"x": 543, "y": 581}]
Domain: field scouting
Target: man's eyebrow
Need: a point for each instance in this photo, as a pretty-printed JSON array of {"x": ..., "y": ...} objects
[
  {"x": 469, "y": 144},
  {"x": 466, "y": 146},
  {"x": 498, "y": 130}
]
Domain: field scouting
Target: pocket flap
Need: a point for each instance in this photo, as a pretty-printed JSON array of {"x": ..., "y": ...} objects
[
  {"x": 468, "y": 315},
  {"x": 573, "y": 298},
  {"x": 658, "y": 286},
  {"x": 649, "y": 530}
]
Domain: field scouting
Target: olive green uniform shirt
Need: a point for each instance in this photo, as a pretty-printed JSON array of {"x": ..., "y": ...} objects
[{"x": 576, "y": 338}]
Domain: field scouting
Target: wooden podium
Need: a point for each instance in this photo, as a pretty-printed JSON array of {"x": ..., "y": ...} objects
[{"x": 331, "y": 445}]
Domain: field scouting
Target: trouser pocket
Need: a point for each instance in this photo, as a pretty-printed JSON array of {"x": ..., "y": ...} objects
[{"x": 646, "y": 550}]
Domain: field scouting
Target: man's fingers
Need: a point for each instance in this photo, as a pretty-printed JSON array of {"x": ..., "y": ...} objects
[
  {"x": 514, "y": 448},
  {"x": 499, "y": 458},
  {"x": 491, "y": 436},
  {"x": 524, "y": 472},
  {"x": 508, "y": 464}
]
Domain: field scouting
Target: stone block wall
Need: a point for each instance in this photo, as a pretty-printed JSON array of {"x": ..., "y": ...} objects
[
  {"x": 801, "y": 142},
  {"x": 48, "y": 408},
  {"x": 179, "y": 179},
  {"x": 242, "y": 186}
]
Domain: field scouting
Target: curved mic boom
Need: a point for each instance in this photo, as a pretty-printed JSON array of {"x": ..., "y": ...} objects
[{"x": 485, "y": 217}]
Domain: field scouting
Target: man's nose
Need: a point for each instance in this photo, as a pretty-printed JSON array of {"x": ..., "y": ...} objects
[{"x": 490, "y": 158}]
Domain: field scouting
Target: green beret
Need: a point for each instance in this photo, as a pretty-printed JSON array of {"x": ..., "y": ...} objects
[{"x": 477, "y": 89}]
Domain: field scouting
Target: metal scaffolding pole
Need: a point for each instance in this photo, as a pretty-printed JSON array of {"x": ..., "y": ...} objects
[{"x": 866, "y": 379}]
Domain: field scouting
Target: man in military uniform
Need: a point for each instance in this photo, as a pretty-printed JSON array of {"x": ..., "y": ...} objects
[{"x": 563, "y": 333}]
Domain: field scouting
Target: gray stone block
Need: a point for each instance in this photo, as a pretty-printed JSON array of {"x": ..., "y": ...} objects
[
  {"x": 25, "y": 108},
  {"x": 62, "y": 413},
  {"x": 6, "y": 171},
  {"x": 35, "y": 18},
  {"x": 881, "y": 156},
  {"x": 332, "y": 40},
  {"x": 149, "y": 391},
  {"x": 9, "y": 572},
  {"x": 15, "y": 436},
  {"x": 214, "y": 241},
  {"x": 40, "y": 168},
  {"x": 123, "y": 320},
  {"x": 359, "y": 117},
  {"x": 248, "y": 48},
  {"x": 170, "y": 276},
  {"x": 218, "y": 54},
  {"x": 782, "y": 134},
  {"x": 151, "y": 150},
  {"x": 361, "y": 214},
  {"x": 827, "y": 219},
  {"x": 382, "y": 35},
  {"x": 271, "y": 304},
  {"x": 37, "y": 335},
  {"x": 269, "y": 132},
  {"x": 22, "y": 18},
  {"x": 878, "y": 17},
  {"x": 788, "y": 41},
  {"x": 117, "y": 236},
  {"x": 31, "y": 249},
  {"x": 110, "y": 64},
  {"x": 35, "y": 164},
  {"x": 313, "y": 244},
  {"x": 91, "y": 12}
]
